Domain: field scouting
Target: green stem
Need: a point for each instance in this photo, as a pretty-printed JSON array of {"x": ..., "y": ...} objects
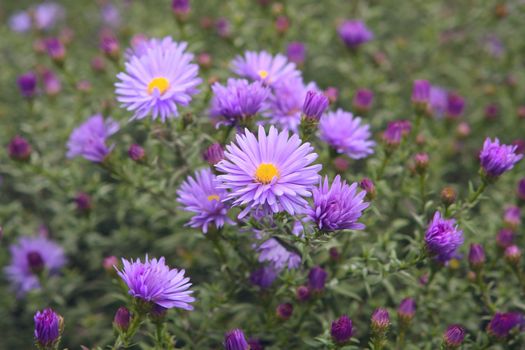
[
  {"x": 422, "y": 179},
  {"x": 485, "y": 296},
  {"x": 476, "y": 194},
  {"x": 159, "y": 338},
  {"x": 400, "y": 342},
  {"x": 382, "y": 168}
]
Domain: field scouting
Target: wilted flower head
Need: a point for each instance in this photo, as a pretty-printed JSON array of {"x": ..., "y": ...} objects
[
  {"x": 272, "y": 172},
  {"x": 511, "y": 217},
  {"x": 363, "y": 100},
  {"x": 346, "y": 134},
  {"x": 395, "y": 131},
  {"x": 29, "y": 257},
  {"x": 200, "y": 195},
  {"x": 315, "y": 103},
  {"x": 342, "y": 329},
  {"x": 264, "y": 67},
  {"x": 89, "y": 139},
  {"x": 354, "y": 33},
  {"x": 235, "y": 340},
  {"x": 503, "y": 322},
  {"x": 238, "y": 101},
  {"x": 337, "y": 207},
  {"x": 153, "y": 281},
  {"x": 406, "y": 310},
  {"x": 496, "y": 159},
  {"x": 443, "y": 238},
  {"x": 317, "y": 279},
  {"x": 27, "y": 84},
  {"x": 296, "y": 52},
  {"x": 19, "y": 148},
  {"x": 454, "y": 336},
  {"x": 48, "y": 327},
  {"x": 159, "y": 78},
  {"x": 476, "y": 256}
]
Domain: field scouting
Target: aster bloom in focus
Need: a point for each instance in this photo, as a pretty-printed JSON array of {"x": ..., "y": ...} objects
[
  {"x": 284, "y": 106},
  {"x": 235, "y": 340},
  {"x": 496, "y": 159},
  {"x": 354, "y": 33},
  {"x": 48, "y": 327},
  {"x": 502, "y": 323},
  {"x": 153, "y": 281},
  {"x": 264, "y": 67},
  {"x": 395, "y": 131},
  {"x": 89, "y": 139},
  {"x": 29, "y": 257},
  {"x": 158, "y": 81},
  {"x": 342, "y": 329},
  {"x": 346, "y": 134},
  {"x": 443, "y": 238},
  {"x": 272, "y": 172},
  {"x": 200, "y": 195},
  {"x": 337, "y": 207},
  {"x": 238, "y": 101}
]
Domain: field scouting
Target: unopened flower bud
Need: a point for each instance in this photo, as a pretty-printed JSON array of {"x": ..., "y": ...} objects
[
  {"x": 19, "y": 148},
  {"x": 334, "y": 254},
  {"x": 368, "y": 185},
  {"x": 213, "y": 154},
  {"x": 204, "y": 60},
  {"x": 136, "y": 153},
  {"x": 463, "y": 130},
  {"x": 331, "y": 94},
  {"x": 476, "y": 256},
  {"x": 363, "y": 100},
  {"x": 122, "y": 319},
  {"x": 284, "y": 311},
  {"x": 448, "y": 195},
  {"x": 380, "y": 320},
  {"x": 317, "y": 279},
  {"x": 513, "y": 255},
  {"x": 453, "y": 337},
  {"x": 282, "y": 24},
  {"x": 505, "y": 238},
  {"x": 83, "y": 202},
  {"x": 341, "y": 330},
  {"x": 421, "y": 162},
  {"x": 406, "y": 310},
  {"x": 302, "y": 293},
  {"x": 341, "y": 164},
  {"x": 109, "y": 263}
]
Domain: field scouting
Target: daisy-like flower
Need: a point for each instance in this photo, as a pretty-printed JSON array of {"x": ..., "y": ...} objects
[
  {"x": 264, "y": 67},
  {"x": 29, "y": 257},
  {"x": 443, "y": 238},
  {"x": 238, "y": 101},
  {"x": 158, "y": 80},
  {"x": 200, "y": 195},
  {"x": 346, "y": 134},
  {"x": 153, "y": 281},
  {"x": 337, "y": 207},
  {"x": 272, "y": 172},
  {"x": 284, "y": 106},
  {"x": 496, "y": 159},
  {"x": 89, "y": 139}
]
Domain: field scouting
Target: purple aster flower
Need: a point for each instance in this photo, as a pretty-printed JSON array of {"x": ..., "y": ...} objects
[
  {"x": 363, "y": 100},
  {"x": 380, "y": 320},
  {"x": 337, "y": 207},
  {"x": 273, "y": 172},
  {"x": 438, "y": 101},
  {"x": 406, "y": 310},
  {"x": 264, "y": 276},
  {"x": 443, "y": 238},
  {"x": 201, "y": 195},
  {"x": 89, "y": 139},
  {"x": 453, "y": 336},
  {"x": 476, "y": 256},
  {"x": 395, "y": 131},
  {"x": 238, "y": 101},
  {"x": 511, "y": 217},
  {"x": 273, "y": 252},
  {"x": 47, "y": 14},
  {"x": 342, "y": 329},
  {"x": 455, "y": 105},
  {"x": 346, "y": 134},
  {"x": 20, "y": 22},
  {"x": 48, "y": 327},
  {"x": 284, "y": 106},
  {"x": 235, "y": 340},
  {"x": 158, "y": 81},
  {"x": 315, "y": 103},
  {"x": 29, "y": 257},
  {"x": 505, "y": 238},
  {"x": 296, "y": 52},
  {"x": 19, "y": 148},
  {"x": 496, "y": 159},
  {"x": 110, "y": 15},
  {"x": 27, "y": 84},
  {"x": 503, "y": 322},
  {"x": 153, "y": 281},
  {"x": 317, "y": 279},
  {"x": 264, "y": 67},
  {"x": 55, "y": 49},
  {"x": 521, "y": 189},
  {"x": 354, "y": 33}
]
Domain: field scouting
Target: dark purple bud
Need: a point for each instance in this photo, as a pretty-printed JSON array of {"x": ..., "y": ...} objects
[
  {"x": 453, "y": 336},
  {"x": 363, "y": 100},
  {"x": 380, "y": 320},
  {"x": 205, "y": 60},
  {"x": 109, "y": 45},
  {"x": 213, "y": 154},
  {"x": 223, "y": 27},
  {"x": 503, "y": 322},
  {"x": 27, "y": 84},
  {"x": 255, "y": 344},
  {"x": 19, "y": 148},
  {"x": 296, "y": 53},
  {"x": 354, "y": 33},
  {"x": 395, "y": 131},
  {"x": 136, "y": 153},
  {"x": 512, "y": 255},
  {"x": 505, "y": 238},
  {"x": 406, "y": 310},
  {"x": 421, "y": 162},
  {"x": 302, "y": 293},
  {"x": 235, "y": 340},
  {"x": 341, "y": 330},
  {"x": 284, "y": 311},
  {"x": 35, "y": 262},
  {"x": 263, "y": 277},
  {"x": 181, "y": 9},
  {"x": 492, "y": 111},
  {"x": 421, "y": 94},
  {"x": 55, "y": 50},
  {"x": 83, "y": 202},
  {"x": 455, "y": 106},
  {"x": 334, "y": 254},
  {"x": 476, "y": 256},
  {"x": 317, "y": 279},
  {"x": 521, "y": 189},
  {"x": 122, "y": 319},
  {"x": 368, "y": 185},
  {"x": 48, "y": 327},
  {"x": 448, "y": 195},
  {"x": 512, "y": 217},
  {"x": 314, "y": 105},
  {"x": 331, "y": 94},
  {"x": 282, "y": 23}
]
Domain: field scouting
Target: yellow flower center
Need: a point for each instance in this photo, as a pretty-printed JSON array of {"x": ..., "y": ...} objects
[
  {"x": 162, "y": 84},
  {"x": 263, "y": 74},
  {"x": 266, "y": 172},
  {"x": 213, "y": 197}
]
